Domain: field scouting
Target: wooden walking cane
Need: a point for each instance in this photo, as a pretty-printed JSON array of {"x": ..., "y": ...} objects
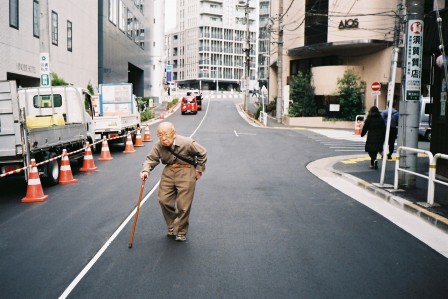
[{"x": 136, "y": 214}]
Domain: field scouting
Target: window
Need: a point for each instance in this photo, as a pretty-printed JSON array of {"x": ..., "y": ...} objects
[
  {"x": 44, "y": 101},
  {"x": 130, "y": 24},
  {"x": 122, "y": 16},
  {"x": 14, "y": 13},
  {"x": 54, "y": 28},
  {"x": 69, "y": 36},
  {"x": 36, "y": 18},
  {"x": 113, "y": 4}
]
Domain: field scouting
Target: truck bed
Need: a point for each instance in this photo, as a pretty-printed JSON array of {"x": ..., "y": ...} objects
[
  {"x": 115, "y": 123},
  {"x": 43, "y": 138}
]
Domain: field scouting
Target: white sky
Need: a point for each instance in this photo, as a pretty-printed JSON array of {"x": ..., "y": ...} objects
[{"x": 170, "y": 14}]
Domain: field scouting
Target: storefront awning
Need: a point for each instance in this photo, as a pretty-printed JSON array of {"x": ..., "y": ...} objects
[{"x": 343, "y": 48}]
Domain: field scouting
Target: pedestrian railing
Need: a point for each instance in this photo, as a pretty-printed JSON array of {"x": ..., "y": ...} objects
[
  {"x": 431, "y": 177},
  {"x": 263, "y": 118}
]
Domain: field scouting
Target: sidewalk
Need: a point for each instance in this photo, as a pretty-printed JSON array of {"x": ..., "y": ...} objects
[{"x": 412, "y": 200}]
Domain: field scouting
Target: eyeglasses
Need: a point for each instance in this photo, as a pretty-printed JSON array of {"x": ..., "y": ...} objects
[{"x": 165, "y": 134}]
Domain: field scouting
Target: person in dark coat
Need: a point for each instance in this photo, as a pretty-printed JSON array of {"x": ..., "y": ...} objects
[
  {"x": 393, "y": 128},
  {"x": 375, "y": 129}
]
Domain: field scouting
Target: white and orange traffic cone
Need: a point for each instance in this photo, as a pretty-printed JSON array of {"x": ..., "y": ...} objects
[
  {"x": 358, "y": 127},
  {"x": 88, "y": 163},
  {"x": 34, "y": 191},
  {"x": 138, "y": 139},
  {"x": 65, "y": 174},
  {"x": 105, "y": 153},
  {"x": 129, "y": 148},
  {"x": 147, "y": 135}
]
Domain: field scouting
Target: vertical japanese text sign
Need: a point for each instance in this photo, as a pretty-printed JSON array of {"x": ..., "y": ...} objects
[
  {"x": 414, "y": 49},
  {"x": 169, "y": 73},
  {"x": 44, "y": 61}
]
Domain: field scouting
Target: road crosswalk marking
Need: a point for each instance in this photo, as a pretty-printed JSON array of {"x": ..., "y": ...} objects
[{"x": 340, "y": 140}]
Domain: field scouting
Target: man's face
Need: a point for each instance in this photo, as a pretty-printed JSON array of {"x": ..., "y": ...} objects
[{"x": 166, "y": 136}]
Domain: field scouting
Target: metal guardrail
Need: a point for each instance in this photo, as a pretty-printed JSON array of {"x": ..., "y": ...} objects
[
  {"x": 431, "y": 177},
  {"x": 263, "y": 118},
  {"x": 361, "y": 118}
]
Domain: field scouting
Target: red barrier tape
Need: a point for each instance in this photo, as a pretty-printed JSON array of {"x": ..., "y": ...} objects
[{"x": 16, "y": 171}]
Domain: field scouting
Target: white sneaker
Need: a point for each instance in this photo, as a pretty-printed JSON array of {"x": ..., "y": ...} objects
[{"x": 181, "y": 238}]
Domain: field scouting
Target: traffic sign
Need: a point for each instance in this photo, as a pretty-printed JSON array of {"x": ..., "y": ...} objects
[
  {"x": 376, "y": 86},
  {"x": 45, "y": 70}
]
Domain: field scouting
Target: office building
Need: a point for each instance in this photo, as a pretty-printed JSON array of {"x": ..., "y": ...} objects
[
  {"x": 72, "y": 41},
  {"x": 328, "y": 37},
  {"x": 206, "y": 50}
]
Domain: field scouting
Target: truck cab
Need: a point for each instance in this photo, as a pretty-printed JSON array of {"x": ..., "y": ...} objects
[{"x": 39, "y": 123}]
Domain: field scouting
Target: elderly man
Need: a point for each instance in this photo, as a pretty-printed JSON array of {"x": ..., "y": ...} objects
[{"x": 185, "y": 161}]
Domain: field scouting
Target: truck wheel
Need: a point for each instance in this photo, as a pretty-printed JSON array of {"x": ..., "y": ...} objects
[{"x": 51, "y": 170}]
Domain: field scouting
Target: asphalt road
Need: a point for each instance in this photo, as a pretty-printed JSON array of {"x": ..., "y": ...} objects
[{"x": 262, "y": 226}]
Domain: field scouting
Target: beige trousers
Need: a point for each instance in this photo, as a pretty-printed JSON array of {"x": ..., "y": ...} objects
[{"x": 175, "y": 196}]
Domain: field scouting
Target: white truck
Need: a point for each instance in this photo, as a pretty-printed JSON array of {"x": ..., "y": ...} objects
[
  {"x": 39, "y": 123},
  {"x": 116, "y": 112}
]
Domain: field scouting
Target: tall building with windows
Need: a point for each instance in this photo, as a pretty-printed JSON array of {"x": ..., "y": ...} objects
[
  {"x": 206, "y": 51},
  {"x": 73, "y": 41},
  {"x": 106, "y": 41},
  {"x": 129, "y": 44},
  {"x": 263, "y": 43}
]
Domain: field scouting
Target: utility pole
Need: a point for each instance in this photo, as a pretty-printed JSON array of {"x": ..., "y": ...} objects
[
  {"x": 409, "y": 105},
  {"x": 44, "y": 27},
  {"x": 44, "y": 44},
  {"x": 279, "y": 105},
  {"x": 247, "y": 56}
]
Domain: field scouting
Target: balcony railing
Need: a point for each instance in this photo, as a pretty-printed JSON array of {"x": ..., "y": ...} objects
[{"x": 211, "y": 11}]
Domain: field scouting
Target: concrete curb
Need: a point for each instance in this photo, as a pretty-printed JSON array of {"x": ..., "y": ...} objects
[
  {"x": 166, "y": 115},
  {"x": 410, "y": 207}
]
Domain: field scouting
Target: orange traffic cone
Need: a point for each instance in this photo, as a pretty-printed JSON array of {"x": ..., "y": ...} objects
[
  {"x": 88, "y": 163},
  {"x": 147, "y": 134},
  {"x": 65, "y": 174},
  {"x": 105, "y": 153},
  {"x": 34, "y": 192},
  {"x": 138, "y": 139},
  {"x": 358, "y": 128},
  {"x": 129, "y": 149},
  {"x": 162, "y": 116}
]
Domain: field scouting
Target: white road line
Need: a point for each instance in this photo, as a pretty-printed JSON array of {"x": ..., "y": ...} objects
[
  {"x": 236, "y": 134},
  {"x": 97, "y": 256}
]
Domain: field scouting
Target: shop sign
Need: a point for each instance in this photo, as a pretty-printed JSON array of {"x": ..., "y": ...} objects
[
  {"x": 349, "y": 24},
  {"x": 414, "y": 46}
]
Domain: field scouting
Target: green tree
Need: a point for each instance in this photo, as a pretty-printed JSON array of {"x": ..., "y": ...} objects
[
  {"x": 90, "y": 88},
  {"x": 56, "y": 80},
  {"x": 302, "y": 96},
  {"x": 350, "y": 91}
]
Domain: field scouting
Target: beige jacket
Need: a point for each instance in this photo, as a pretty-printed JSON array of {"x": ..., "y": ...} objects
[{"x": 183, "y": 146}]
